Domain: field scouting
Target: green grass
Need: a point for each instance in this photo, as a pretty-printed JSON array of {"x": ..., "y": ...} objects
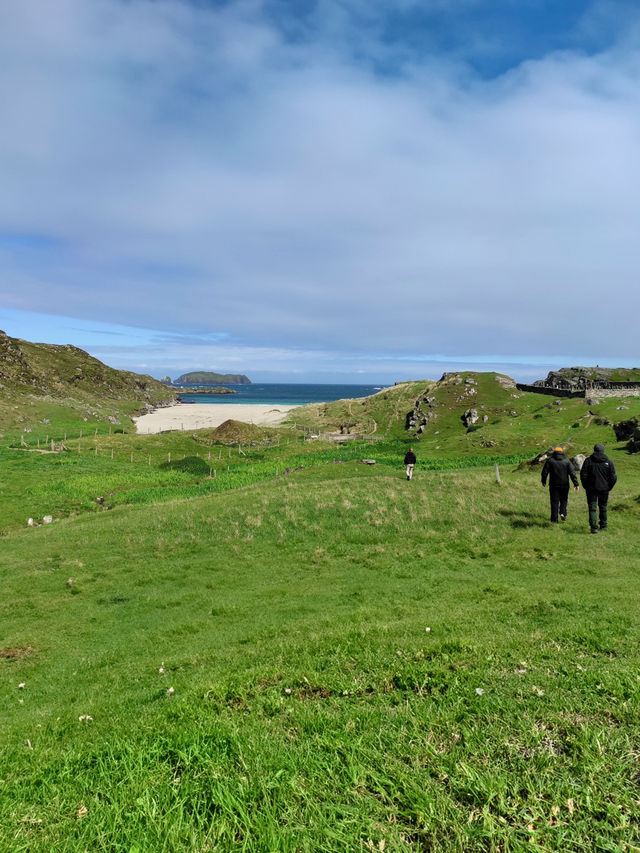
[{"x": 312, "y": 711}]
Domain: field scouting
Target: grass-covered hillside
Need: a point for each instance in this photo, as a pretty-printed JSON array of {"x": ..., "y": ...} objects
[
  {"x": 330, "y": 660},
  {"x": 66, "y": 386},
  {"x": 248, "y": 639},
  {"x": 430, "y": 415},
  {"x": 382, "y": 415}
]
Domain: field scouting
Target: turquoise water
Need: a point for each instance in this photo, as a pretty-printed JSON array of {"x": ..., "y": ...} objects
[{"x": 284, "y": 394}]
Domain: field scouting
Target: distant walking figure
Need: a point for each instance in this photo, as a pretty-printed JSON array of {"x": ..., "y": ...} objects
[
  {"x": 410, "y": 460},
  {"x": 558, "y": 469},
  {"x": 598, "y": 477}
]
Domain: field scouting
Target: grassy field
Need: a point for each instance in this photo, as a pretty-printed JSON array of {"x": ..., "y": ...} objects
[{"x": 350, "y": 661}]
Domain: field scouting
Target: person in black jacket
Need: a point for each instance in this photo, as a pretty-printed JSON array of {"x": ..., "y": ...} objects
[
  {"x": 598, "y": 477},
  {"x": 558, "y": 469},
  {"x": 410, "y": 460}
]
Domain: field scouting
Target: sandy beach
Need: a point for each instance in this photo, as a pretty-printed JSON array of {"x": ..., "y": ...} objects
[{"x": 191, "y": 416}]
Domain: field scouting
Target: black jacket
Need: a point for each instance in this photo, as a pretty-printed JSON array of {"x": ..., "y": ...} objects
[
  {"x": 410, "y": 458},
  {"x": 598, "y": 473},
  {"x": 558, "y": 469}
]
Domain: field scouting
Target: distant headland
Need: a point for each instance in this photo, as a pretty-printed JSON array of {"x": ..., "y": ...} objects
[{"x": 206, "y": 378}]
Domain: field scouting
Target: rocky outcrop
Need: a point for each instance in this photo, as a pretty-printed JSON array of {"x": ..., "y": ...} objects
[
  {"x": 422, "y": 414},
  {"x": 470, "y": 417},
  {"x": 634, "y": 442},
  {"x": 625, "y": 429}
]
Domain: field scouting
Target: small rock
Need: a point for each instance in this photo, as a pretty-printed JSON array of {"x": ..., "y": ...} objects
[
  {"x": 30, "y": 522},
  {"x": 22, "y": 685},
  {"x": 70, "y": 582},
  {"x": 479, "y": 691},
  {"x": 470, "y": 417},
  {"x": 85, "y": 718},
  {"x": 47, "y": 519},
  {"x": 170, "y": 691}
]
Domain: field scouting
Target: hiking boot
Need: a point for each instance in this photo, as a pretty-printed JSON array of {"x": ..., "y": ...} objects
[
  {"x": 603, "y": 527},
  {"x": 563, "y": 518},
  {"x": 594, "y": 530}
]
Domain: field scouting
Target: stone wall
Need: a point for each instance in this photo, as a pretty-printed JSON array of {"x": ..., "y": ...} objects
[
  {"x": 551, "y": 392},
  {"x": 608, "y": 389},
  {"x": 601, "y": 393}
]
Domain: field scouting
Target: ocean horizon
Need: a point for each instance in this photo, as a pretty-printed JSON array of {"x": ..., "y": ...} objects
[{"x": 285, "y": 394}]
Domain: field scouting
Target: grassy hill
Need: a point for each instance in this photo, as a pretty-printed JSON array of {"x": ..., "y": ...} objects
[
  {"x": 244, "y": 639},
  {"x": 509, "y": 420},
  {"x": 350, "y": 662},
  {"x": 67, "y": 387}
]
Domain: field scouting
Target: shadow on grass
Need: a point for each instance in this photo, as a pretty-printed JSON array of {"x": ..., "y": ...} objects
[
  {"x": 190, "y": 464},
  {"x": 523, "y": 520}
]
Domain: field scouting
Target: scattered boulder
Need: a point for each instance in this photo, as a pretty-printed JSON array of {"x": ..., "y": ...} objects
[
  {"x": 541, "y": 457},
  {"x": 625, "y": 429},
  {"x": 47, "y": 519},
  {"x": 485, "y": 418},
  {"x": 368, "y": 461},
  {"x": 470, "y": 417},
  {"x": 578, "y": 461}
]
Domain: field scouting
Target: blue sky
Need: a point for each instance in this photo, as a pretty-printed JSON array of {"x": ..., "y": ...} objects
[{"x": 322, "y": 190}]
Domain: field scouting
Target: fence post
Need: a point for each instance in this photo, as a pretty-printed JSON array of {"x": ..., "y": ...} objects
[{"x": 497, "y": 473}]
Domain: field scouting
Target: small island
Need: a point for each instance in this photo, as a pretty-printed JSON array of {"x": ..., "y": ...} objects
[{"x": 208, "y": 378}]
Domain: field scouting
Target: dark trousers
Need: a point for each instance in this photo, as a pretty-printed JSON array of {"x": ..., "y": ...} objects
[
  {"x": 559, "y": 497},
  {"x": 597, "y": 502}
]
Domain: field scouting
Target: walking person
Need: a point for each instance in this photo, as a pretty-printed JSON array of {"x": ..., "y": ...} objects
[
  {"x": 410, "y": 461},
  {"x": 558, "y": 469},
  {"x": 598, "y": 476}
]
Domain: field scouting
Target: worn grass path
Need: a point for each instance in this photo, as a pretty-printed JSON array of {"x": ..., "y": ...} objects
[{"x": 312, "y": 709}]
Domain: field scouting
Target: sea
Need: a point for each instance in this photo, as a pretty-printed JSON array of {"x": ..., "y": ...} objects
[{"x": 280, "y": 394}]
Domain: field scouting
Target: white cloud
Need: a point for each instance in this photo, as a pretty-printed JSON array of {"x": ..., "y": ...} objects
[{"x": 201, "y": 172}]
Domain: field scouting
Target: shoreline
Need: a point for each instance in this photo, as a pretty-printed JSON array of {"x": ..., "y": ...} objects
[{"x": 189, "y": 416}]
